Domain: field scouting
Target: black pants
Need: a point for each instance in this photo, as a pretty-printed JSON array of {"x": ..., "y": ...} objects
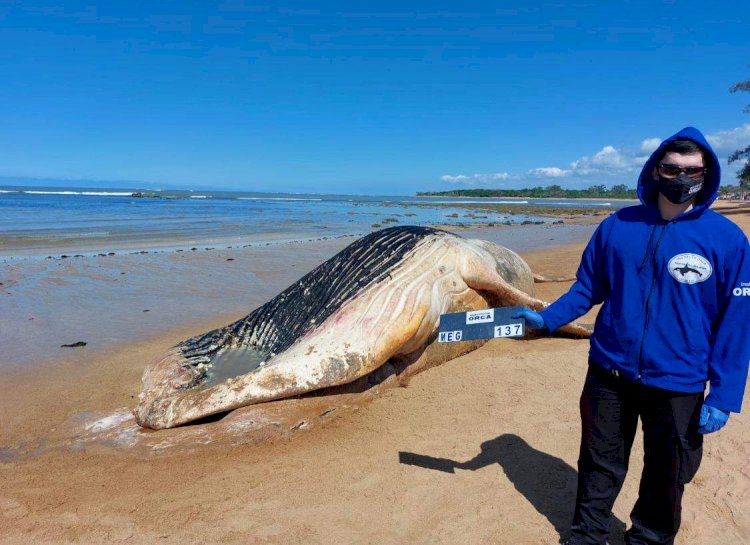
[{"x": 610, "y": 407}]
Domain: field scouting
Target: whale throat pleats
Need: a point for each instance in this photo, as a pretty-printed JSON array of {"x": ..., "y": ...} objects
[{"x": 276, "y": 325}]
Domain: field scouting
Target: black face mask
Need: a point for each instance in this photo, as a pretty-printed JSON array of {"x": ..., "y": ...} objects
[{"x": 680, "y": 189}]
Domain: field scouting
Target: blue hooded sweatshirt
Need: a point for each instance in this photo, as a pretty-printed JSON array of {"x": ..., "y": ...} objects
[{"x": 675, "y": 294}]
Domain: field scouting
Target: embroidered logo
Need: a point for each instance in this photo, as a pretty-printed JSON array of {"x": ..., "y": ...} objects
[
  {"x": 690, "y": 268},
  {"x": 742, "y": 290}
]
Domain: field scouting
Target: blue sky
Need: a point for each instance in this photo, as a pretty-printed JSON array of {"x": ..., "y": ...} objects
[{"x": 363, "y": 97}]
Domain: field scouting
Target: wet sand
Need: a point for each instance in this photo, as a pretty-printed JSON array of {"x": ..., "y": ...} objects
[{"x": 481, "y": 449}]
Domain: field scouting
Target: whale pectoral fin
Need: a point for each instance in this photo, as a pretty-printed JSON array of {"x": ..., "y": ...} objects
[
  {"x": 573, "y": 328},
  {"x": 502, "y": 294},
  {"x": 510, "y": 297}
]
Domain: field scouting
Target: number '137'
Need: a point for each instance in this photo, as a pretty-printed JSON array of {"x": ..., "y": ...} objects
[{"x": 508, "y": 330}]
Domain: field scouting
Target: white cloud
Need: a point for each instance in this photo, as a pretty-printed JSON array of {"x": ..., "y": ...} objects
[
  {"x": 730, "y": 140},
  {"x": 548, "y": 172},
  {"x": 606, "y": 160},
  {"x": 648, "y": 145},
  {"x": 493, "y": 176},
  {"x": 474, "y": 178},
  {"x": 454, "y": 179},
  {"x": 609, "y": 165}
]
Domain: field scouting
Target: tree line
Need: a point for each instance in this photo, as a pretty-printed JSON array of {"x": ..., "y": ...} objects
[{"x": 619, "y": 191}]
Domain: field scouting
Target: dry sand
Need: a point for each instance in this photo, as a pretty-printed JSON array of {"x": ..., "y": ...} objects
[{"x": 479, "y": 450}]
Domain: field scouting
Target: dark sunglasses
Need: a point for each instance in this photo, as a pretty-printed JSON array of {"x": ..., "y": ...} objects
[{"x": 672, "y": 171}]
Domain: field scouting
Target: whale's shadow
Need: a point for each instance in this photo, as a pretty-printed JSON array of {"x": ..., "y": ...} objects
[{"x": 547, "y": 482}]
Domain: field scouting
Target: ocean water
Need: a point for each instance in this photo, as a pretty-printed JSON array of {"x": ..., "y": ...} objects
[{"x": 37, "y": 221}]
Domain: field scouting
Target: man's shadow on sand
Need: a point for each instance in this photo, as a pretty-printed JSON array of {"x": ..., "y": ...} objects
[{"x": 547, "y": 482}]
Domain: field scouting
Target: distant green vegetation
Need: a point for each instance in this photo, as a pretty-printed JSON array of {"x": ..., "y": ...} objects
[
  {"x": 619, "y": 191},
  {"x": 732, "y": 192}
]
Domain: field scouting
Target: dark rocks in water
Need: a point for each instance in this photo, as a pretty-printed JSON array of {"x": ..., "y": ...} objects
[
  {"x": 74, "y": 345},
  {"x": 230, "y": 259},
  {"x": 143, "y": 195},
  {"x": 64, "y": 256},
  {"x": 146, "y": 310},
  {"x": 111, "y": 253}
]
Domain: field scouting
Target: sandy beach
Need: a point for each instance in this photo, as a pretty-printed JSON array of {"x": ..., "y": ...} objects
[{"x": 480, "y": 450}]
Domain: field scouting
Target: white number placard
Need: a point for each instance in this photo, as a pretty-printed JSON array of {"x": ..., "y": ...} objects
[
  {"x": 509, "y": 330},
  {"x": 474, "y": 325}
]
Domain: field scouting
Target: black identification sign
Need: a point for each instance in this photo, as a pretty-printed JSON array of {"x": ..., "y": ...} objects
[{"x": 491, "y": 323}]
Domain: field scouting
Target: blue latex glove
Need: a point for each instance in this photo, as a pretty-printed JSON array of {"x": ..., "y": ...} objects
[
  {"x": 532, "y": 317},
  {"x": 712, "y": 419}
]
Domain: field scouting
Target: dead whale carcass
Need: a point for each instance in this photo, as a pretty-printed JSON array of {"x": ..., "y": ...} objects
[{"x": 380, "y": 298}]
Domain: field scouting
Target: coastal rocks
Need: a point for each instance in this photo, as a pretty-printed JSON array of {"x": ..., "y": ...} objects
[{"x": 143, "y": 195}]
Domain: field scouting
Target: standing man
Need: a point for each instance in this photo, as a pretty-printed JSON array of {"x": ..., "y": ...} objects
[{"x": 674, "y": 280}]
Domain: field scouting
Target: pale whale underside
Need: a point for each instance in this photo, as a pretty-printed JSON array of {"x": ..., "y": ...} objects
[{"x": 377, "y": 300}]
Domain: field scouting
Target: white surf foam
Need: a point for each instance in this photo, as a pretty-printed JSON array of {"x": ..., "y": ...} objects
[
  {"x": 108, "y": 422},
  {"x": 90, "y": 193}
]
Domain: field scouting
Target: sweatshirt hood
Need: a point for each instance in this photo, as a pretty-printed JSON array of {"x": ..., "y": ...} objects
[{"x": 647, "y": 190}]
